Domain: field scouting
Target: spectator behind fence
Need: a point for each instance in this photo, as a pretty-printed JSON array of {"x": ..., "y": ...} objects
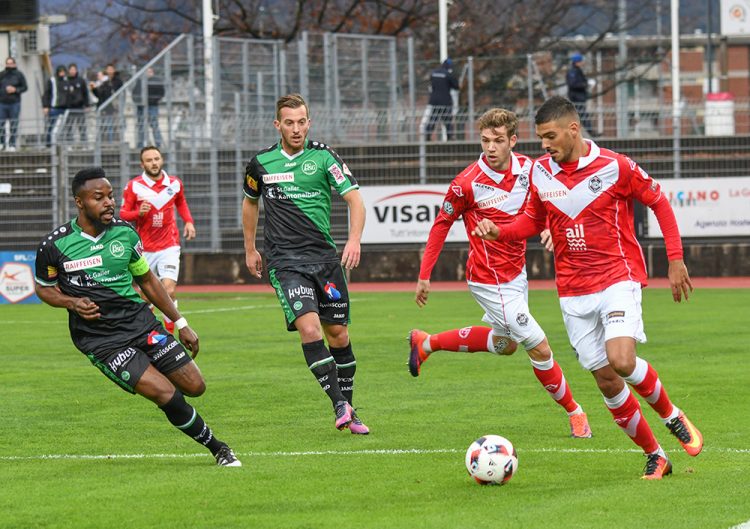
[
  {"x": 155, "y": 93},
  {"x": 55, "y": 99},
  {"x": 578, "y": 90},
  {"x": 107, "y": 83},
  {"x": 12, "y": 85},
  {"x": 77, "y": 103},
  {"x": 442, "y": 81}
]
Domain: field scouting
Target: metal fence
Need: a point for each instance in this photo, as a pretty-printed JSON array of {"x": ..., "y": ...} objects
[{"x": 364, "y": 99}]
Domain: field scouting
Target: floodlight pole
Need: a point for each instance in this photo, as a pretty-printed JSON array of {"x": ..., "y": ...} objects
[
  {"x": 676, "y": 114},
  {"x": 443, "y": 28},
  {"x": 208, "y": 57}
]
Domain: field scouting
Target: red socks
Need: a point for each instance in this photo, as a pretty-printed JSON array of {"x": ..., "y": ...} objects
[
  {"x": 554, "y": 382},
  {"x": 466, "y": 340},
  {"x": 629, "y": 418}
]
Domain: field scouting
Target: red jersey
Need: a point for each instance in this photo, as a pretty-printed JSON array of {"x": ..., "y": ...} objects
[
  {"x": 480, "y": 192},
  {"x": 588, "y": 207},
  {"x": 157, "y": 228}
]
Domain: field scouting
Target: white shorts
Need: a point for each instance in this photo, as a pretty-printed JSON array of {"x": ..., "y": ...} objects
[
  {"x": 165, "y": 263},
  {"x": 506, "y": 308},
  {"x": 593, "y": 319}
]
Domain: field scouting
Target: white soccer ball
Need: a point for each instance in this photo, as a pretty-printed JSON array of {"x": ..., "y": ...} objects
[{"x": 491, "y": 460}]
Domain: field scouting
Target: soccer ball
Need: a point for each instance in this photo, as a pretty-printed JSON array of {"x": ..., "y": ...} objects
[{"x": 491, "y": 460}]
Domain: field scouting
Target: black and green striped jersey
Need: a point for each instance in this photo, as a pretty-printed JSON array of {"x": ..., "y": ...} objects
[
  {"x": 296, "y": 191},
  {"x": 102, "y": 269}
]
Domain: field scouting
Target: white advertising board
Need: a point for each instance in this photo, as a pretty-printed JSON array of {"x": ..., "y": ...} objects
[
  {"x": 404, "y": 214},
  {"x": 707, "y": 207},
  {"x": 735, "y": 17}
]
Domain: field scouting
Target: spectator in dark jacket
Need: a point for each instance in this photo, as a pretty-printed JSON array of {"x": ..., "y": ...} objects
[
  {"x": 578, "y": 90},
  {"x": 12, "y": 85},
  {"x": 78, "y": 100},
  {"x": 55, "y": 99},
  {"x": 103, "y": 89},
  {"x": 154, "y": 95},
  {"x": 442, "y": 81}
]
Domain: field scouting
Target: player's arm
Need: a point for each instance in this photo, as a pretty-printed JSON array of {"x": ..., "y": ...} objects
[
  {"x": 52, "y": 296},
  {"x": 250, "y": 213},
  {"x": 157, "y": 294},
  {"x": 184, "y": 211},
  {"x": 648, "y": 191},
  {"x": 129, "y": 210},
  {"x": 352, "y": 250},
  {"x": 455, "y": 204}
]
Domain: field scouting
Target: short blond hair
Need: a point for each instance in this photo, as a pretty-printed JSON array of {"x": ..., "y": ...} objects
[
  {"x": 291, "y": 101},
  {"x": 499, "y": 117}
]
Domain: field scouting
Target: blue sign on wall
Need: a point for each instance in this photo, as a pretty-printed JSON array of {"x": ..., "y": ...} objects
[{"x": 17, "y": 277}]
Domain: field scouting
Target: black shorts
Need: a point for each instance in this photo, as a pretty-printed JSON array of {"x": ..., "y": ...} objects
[
  {"x": 317, "y": 288},
  {"x": 126, "y": 365}
]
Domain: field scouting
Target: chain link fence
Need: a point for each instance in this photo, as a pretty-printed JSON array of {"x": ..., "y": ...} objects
[{"x": 367, "y": 98}]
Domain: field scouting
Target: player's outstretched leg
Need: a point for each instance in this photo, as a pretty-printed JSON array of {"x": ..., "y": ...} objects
[
  {"x": 645, "y": 380},
  {"x": 417, "y": 352},
  {"x": 185, "y": 418},
  {"x": 465, "y": 340}
]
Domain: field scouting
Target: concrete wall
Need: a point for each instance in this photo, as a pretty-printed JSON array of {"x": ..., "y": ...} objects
[{"x": 402, "y": 264}]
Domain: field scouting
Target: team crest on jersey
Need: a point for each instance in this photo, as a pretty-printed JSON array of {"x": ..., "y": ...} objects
[
  {"x": 595, "y": 184},
  {"x": 523, "y": 181},
  {"x": 116, "y": 248},
  {"x": 309, "y": 167},
  {"x": 337, "y": 174},
  {"x": 448, "y": 207},
  {"x": 457, "y": 191}
]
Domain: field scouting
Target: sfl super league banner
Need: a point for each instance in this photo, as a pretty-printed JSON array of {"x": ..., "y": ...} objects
[
  {"x": 707, "y": 207},
  {"x": 404, "y": 214},
  {"x": 17, "y": 277}
]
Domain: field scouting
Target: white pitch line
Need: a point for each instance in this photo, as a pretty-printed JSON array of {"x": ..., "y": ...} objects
[{"x": 383, "y": 451}]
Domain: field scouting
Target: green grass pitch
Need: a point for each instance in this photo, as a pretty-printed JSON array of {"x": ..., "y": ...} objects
[{"x": 78, "y": 452}]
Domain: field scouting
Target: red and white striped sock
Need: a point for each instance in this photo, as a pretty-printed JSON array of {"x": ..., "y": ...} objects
[
  {"x": 626, "y": 411},
  {"x": 645, "y": 380},
  {"x": 550, "y": 374},
  {"x": 466, "y": 340}
]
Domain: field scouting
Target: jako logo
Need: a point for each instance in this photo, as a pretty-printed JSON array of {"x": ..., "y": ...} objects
[
  {"x": 154, "y": 337},
  {"x": 331, "y": 291},
  {"x": 576, "y": 238},
  {"x": 398, "y": 213}
]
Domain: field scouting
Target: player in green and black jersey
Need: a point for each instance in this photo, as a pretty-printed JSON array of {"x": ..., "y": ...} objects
[
  {"x": 87, "y": 266},
  {"x": 294, "y": 177}
]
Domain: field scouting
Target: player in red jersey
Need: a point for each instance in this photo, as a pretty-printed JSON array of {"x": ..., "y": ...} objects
[
  {"x": 149, "y": 201},
  {"x": 584, "y": 194},
  {"x": 494, "y": 187}
]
